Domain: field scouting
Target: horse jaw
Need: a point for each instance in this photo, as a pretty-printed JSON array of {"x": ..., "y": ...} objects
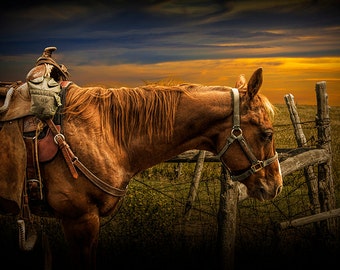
[{"x": 262, "y": 187}]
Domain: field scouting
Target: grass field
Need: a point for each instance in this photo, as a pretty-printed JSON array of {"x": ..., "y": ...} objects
[{"x": 149, "y": 230}]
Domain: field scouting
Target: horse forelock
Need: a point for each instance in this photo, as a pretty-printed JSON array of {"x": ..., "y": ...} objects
[
  {"x": 268, "y": 107},
  {"x": 259, "y": 107},
  {"x": 127, "y": 112}
]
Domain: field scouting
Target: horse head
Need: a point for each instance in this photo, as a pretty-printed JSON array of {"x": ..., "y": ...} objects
[{"x": 252, "y": 159}]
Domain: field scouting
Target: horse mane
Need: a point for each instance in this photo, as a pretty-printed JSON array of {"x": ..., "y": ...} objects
[
  {"x": 133, "y": 112},
  {"x": 268, "y": 106},
  {"x": 127, "y": 112}
]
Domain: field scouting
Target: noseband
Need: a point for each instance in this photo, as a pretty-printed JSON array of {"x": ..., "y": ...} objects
[{"x": 236, "y": 134}]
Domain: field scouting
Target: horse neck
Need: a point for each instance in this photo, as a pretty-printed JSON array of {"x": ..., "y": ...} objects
[{"x": 202, "y": 118}]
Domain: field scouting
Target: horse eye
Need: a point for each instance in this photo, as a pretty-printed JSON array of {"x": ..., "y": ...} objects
[{"x": 267, "y": 135}]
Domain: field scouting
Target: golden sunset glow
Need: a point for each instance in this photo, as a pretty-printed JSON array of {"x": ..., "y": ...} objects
[{"x": 297, "y": 76}]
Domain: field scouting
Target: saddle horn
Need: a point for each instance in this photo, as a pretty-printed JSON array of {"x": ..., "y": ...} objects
[
  {"x": 60, "y": 73},
  {"x": 48, "y": 52}
]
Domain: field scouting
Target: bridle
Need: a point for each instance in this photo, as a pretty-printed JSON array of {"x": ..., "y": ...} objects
[{"x": 236, "y": 134}]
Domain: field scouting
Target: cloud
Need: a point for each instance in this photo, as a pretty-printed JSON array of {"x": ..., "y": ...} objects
[
  {"x": 193, "y": 40},
  {"x": 190, "y": 29}
]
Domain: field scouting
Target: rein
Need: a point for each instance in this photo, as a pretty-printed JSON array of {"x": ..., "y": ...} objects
[
  {"x": 72, "y": 161},
  {"x": 236, "y": 134}
]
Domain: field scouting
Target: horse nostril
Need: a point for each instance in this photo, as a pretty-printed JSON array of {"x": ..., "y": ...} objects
[{"x": 278, "y": 190}]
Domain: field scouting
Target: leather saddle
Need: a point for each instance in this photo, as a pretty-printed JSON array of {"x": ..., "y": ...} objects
[
  {"x": 21, "y": 133},
  {"x": 15, "y": 99}
]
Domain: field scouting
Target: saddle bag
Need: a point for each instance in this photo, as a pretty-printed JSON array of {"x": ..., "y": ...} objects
[{"x": 45, "y": 98}]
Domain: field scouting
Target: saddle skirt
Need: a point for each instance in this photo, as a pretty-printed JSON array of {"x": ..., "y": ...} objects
[{"x": 13, "y": 158}]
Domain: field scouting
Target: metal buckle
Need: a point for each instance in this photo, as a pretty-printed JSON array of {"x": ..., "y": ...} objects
[
  {"x": 257, "y": 166},
  {"x": 56, "y": 138},
  {"x": 236, "y": 129}
]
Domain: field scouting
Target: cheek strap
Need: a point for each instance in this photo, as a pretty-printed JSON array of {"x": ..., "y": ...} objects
[{"x": 236, "y": 134}]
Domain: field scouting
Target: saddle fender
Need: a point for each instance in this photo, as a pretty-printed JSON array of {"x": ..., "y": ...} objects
[{"x": 12, "y": 166}]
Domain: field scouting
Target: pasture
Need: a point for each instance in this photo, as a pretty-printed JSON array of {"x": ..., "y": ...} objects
[{"x": 149, "y": 230}]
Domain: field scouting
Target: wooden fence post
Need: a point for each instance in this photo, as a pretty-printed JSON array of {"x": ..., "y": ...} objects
[
  {"x": 227, "y": 221},
  {"x": 194, "y": 184},
  {"x": 326, "y": 186},
  {"x": 300, "y": 137}
]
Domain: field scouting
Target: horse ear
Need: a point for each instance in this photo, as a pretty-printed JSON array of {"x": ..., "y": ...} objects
[
  {"x": 241, "y": 82},
  {"x": 255, "y": 83}
]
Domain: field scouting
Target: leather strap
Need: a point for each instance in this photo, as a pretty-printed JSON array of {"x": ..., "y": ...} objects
[
  {"x": 59, "y": 139},
  {"x": 258, "y": 165},
  {"x": 33, "y": 181},
  {"x": 98, "y": 182},
  {"x": 31, "y": 165},
  {"x": 72, "y": 160},
  {"x": 236, "y": 134}
]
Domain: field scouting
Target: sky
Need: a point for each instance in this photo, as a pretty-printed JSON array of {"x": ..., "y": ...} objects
[{"x": 129, "y": 43}]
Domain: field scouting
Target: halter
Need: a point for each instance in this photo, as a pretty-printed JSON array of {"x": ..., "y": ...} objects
[{"x": 236, "y": 134}]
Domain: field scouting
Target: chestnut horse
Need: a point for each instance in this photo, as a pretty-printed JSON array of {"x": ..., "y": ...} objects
[{"x": 116, "y": 133}]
